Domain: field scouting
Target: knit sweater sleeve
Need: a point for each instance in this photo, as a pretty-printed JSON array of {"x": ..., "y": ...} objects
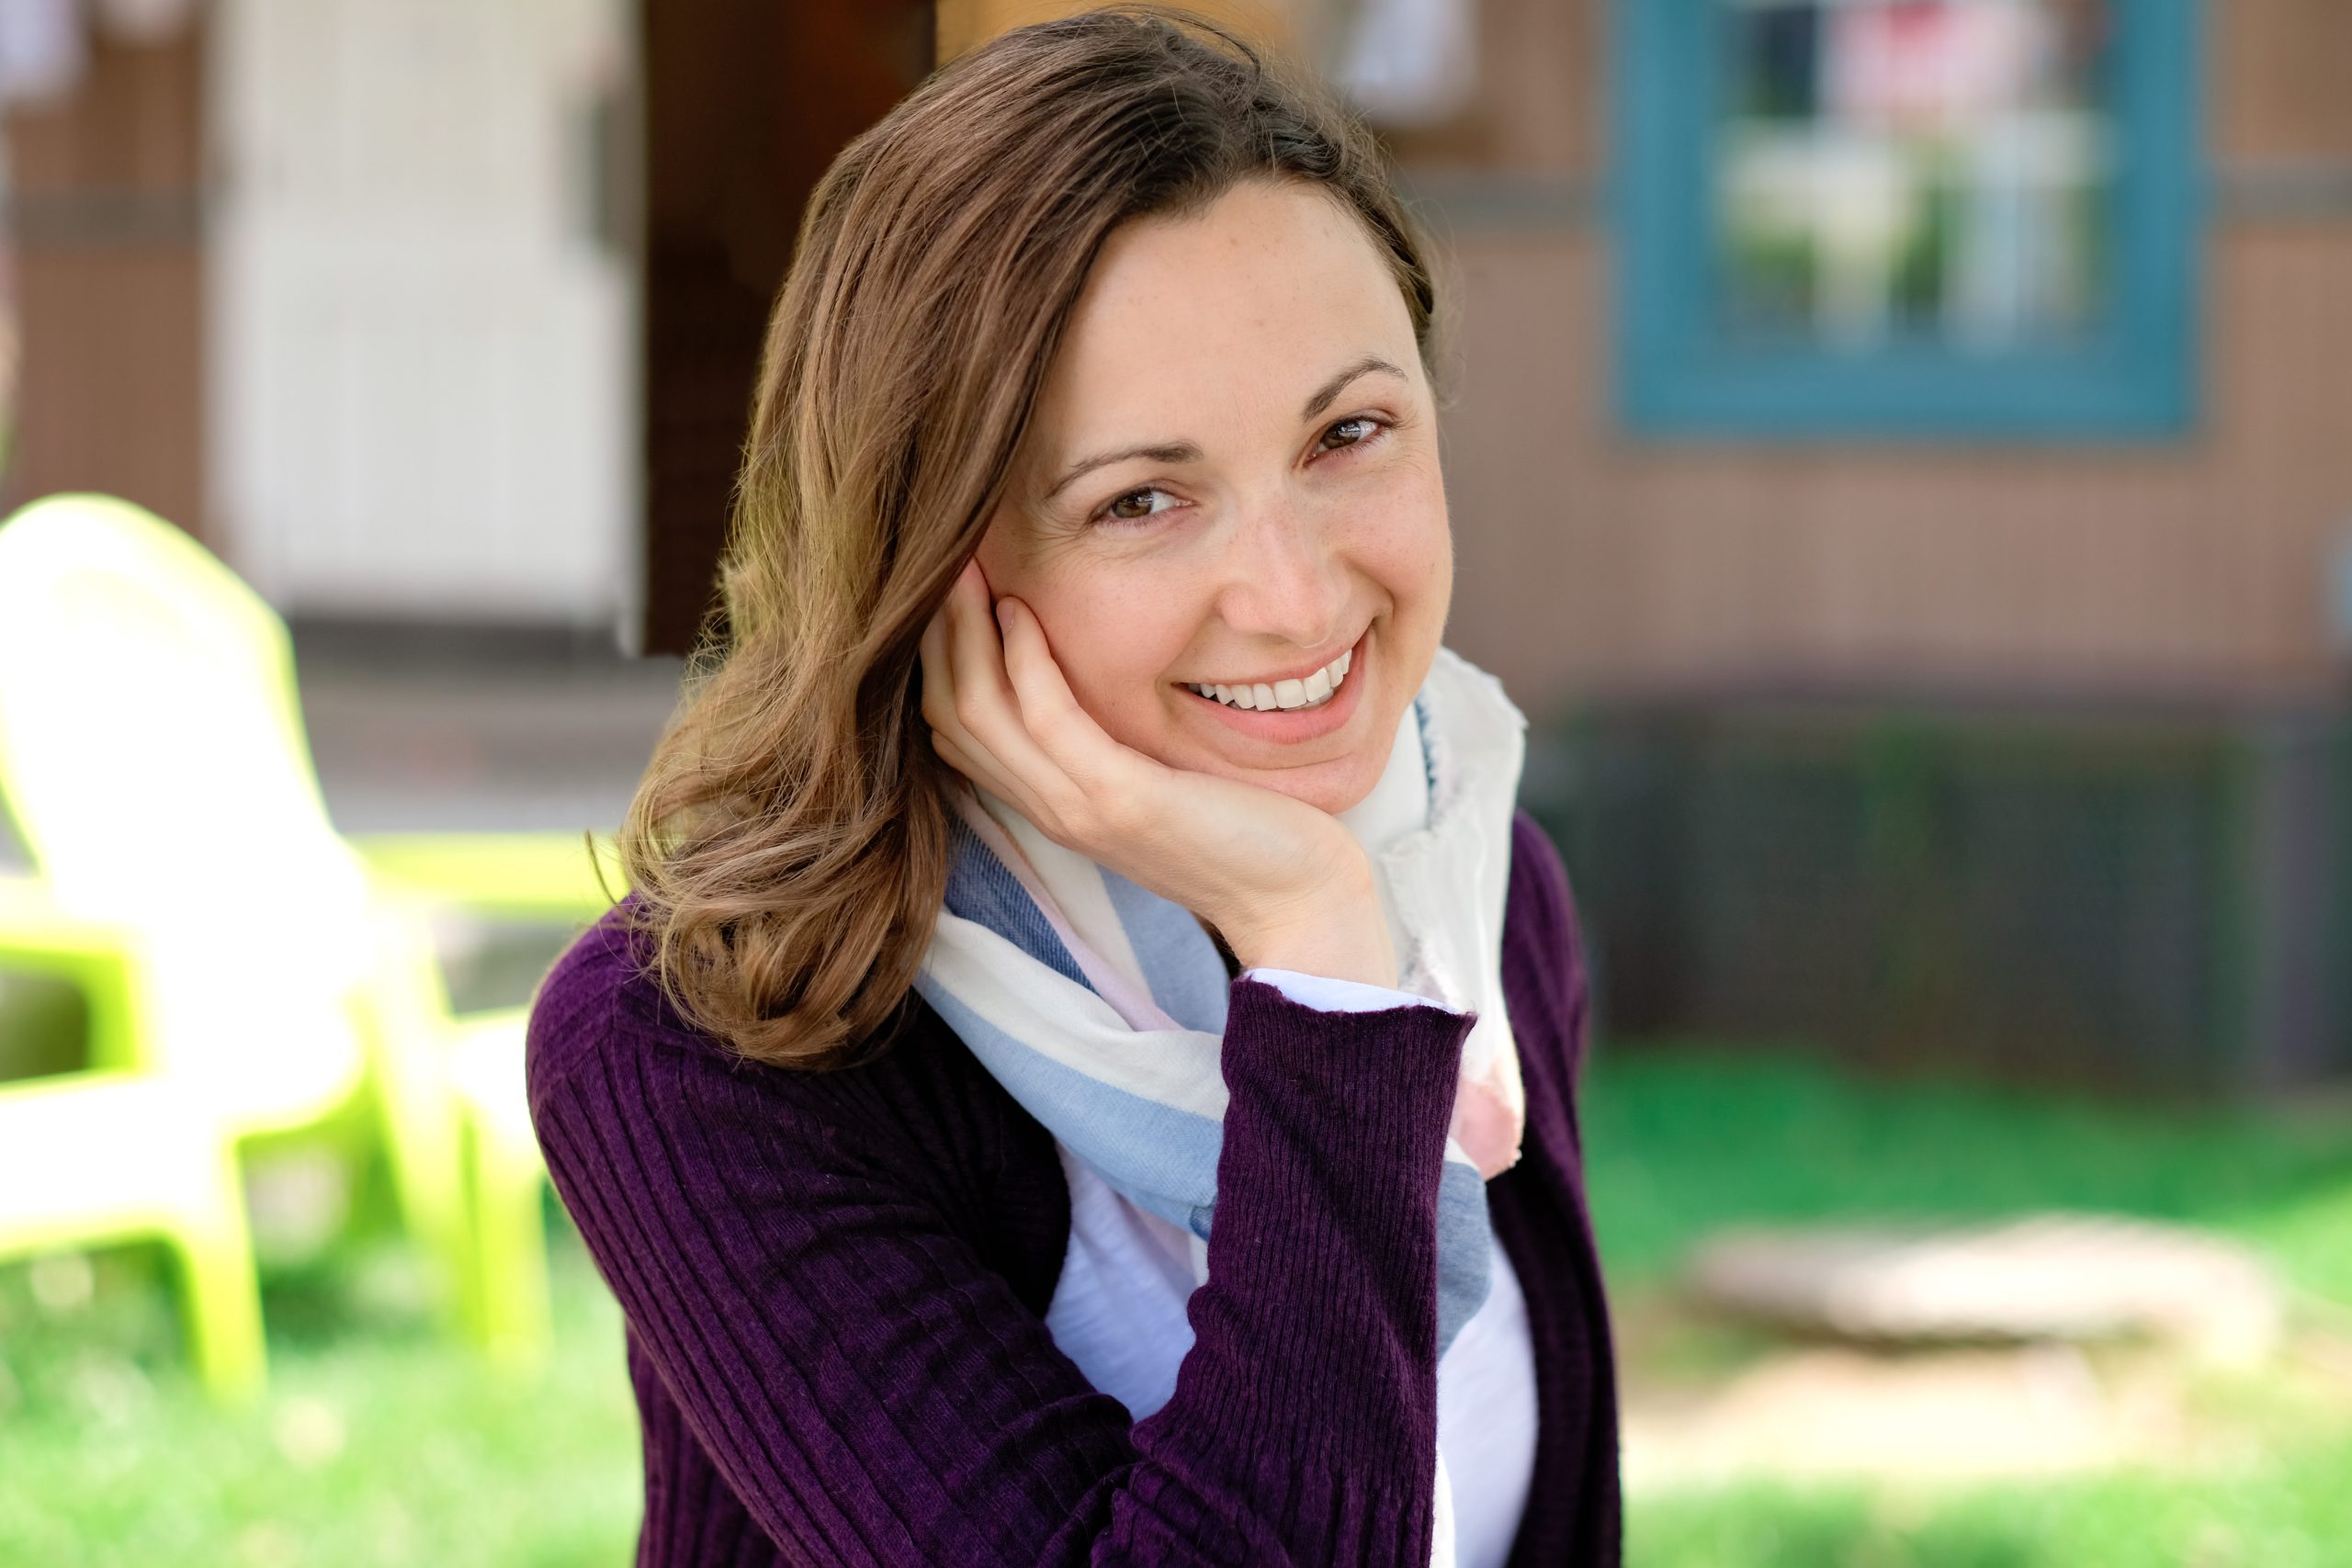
[{"x": 794, "y": 1266}]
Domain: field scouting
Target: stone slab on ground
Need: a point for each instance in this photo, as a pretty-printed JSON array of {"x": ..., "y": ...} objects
[{"x": 2062, "y": 1277}]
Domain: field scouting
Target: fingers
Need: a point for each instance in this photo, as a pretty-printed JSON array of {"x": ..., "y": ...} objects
[
  {"x": 1065, "y": 733},
  {"x": 931, "y": 656},
  {"x": 986, "y": 704},
  {"x": 971, "y": 767},
  {"x": 970, "y": 703}
]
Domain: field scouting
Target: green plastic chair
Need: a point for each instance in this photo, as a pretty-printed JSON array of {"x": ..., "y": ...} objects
[
  {"x": 249, "y": 975},
  {"x": 108, "y": 1154},
  {"x": 89, "y": 1158}
]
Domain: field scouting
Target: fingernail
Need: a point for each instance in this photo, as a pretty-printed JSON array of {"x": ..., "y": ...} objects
[{"x": 1004, "y": 613}]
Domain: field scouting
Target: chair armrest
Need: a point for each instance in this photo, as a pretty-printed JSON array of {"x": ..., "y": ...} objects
[
  {"x": 33, "y": 926},
  {"x": 521, "y": 875}
]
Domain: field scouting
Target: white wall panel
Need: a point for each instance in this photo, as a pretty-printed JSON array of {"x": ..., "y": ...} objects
[{"x": 424, "y": 384}]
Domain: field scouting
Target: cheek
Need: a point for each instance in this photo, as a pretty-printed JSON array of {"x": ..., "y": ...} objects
[
  {"x": 1405, "y": 546},
  {"x": 1114, "y": 638}
]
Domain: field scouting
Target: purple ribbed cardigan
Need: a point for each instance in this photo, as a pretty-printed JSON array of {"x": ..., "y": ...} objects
[{"x": 835, "y": 1286}]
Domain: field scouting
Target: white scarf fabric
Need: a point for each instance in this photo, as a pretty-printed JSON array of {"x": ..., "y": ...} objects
[{"x": 1100, "y": 1007}]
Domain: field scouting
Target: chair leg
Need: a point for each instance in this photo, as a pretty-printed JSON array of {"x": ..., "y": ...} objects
[
  {"x": 422, "y": 1150},
  {"x": 399, "y": 1015},
  {"x": 509, "y": 1313},
  {"x": 221, "y": 1299}
]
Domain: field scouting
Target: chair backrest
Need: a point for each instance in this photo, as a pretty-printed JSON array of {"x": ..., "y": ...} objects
[{"x": 152, "y": 756}]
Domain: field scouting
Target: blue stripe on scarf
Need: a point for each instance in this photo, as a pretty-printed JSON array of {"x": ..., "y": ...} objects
[
  {"x": 982, "y": 891},
  {"x": 1163, "y": 1158},
  {"x": 1428, "y": 748}
]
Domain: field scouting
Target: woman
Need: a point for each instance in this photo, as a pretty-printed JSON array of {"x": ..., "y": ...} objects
[{"x": 1087, "y": 1071}]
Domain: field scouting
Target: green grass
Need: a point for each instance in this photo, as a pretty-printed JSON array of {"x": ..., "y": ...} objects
[
  {"x": 379, "y": 1442},
  {"x": 1680, "y": 1143},
  {"x": 2289, "y": 1510},
  {"x": 382, "y": 1441}
]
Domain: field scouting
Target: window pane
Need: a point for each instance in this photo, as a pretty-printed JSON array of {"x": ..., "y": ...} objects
[{"x": 1895, "y": 171}]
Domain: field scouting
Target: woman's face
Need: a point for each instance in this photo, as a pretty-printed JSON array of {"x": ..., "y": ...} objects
[{"x": 1231, "y": 479}]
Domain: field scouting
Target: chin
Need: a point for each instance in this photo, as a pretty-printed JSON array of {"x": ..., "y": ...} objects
[
  {"x": 1332, "y": 799},
  {"x": 1332, "y": 786}
]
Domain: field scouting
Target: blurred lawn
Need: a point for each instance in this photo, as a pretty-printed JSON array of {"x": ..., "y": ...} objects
[
  {"x": 1681, "y": 1142},
  {"x": 381, "y": 1442},
  {"x": 2293, "y": 1510}
]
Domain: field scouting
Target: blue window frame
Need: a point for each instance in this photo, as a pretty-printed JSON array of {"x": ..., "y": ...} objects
[{"x": 1811, "y": 244}]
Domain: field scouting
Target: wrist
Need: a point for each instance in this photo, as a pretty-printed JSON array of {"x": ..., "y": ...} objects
[
  {"x": 1331, "y": 951},
  {"x": 1341, "y": 935}
]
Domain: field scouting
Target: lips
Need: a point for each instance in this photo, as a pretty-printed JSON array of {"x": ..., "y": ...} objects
[
  {"x": 1308, "y": 721},
  {"x": 1311, "y": 690}
]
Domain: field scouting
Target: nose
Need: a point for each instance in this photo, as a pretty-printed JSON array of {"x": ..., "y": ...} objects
[
  {"x": 1283, "y": 581},
  {"x": 1282, "y": 576}
]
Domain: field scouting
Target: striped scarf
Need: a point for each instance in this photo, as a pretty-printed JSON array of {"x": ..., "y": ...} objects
[{"x": 1099, "y": 1007}]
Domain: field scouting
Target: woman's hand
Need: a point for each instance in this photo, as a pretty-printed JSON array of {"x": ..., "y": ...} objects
[{"x": 1286, "y": 885}]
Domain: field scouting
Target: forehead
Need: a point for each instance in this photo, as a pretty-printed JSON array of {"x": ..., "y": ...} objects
[{"x": 1186, "y": 322}]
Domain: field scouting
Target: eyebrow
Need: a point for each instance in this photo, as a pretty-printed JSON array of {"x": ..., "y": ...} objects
[
  {"x": 1338, "y": 383},
  {"x": 1158, "y": 452},
  {"x": 1186, "y": 452}
]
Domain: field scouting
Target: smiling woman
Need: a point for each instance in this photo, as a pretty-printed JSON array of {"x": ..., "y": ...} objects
[{"x": 1088, "y": 1070}]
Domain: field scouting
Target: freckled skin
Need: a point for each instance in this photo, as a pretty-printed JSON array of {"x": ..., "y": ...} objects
[{"x": 1284, "y": 540}]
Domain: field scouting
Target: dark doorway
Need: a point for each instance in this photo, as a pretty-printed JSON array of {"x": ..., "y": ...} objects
[{"x": 747, "y": 102}]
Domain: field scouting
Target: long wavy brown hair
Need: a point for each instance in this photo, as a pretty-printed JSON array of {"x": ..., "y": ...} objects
[{"x": 788, "y": 843}]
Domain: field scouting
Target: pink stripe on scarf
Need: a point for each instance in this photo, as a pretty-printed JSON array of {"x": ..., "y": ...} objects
[{"x": 1489, "y": 1120}]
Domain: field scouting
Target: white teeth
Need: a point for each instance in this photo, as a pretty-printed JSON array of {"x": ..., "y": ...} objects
[{"x": 1297, "y": 694}]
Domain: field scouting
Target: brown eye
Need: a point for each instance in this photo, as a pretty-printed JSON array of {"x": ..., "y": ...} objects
[
  {"x": 1136, "y": 504},
  {"x": 1348, "y": 432}
]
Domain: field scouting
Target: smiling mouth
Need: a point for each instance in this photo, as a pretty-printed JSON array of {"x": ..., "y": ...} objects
[{"x": 1310, "y": 691}]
